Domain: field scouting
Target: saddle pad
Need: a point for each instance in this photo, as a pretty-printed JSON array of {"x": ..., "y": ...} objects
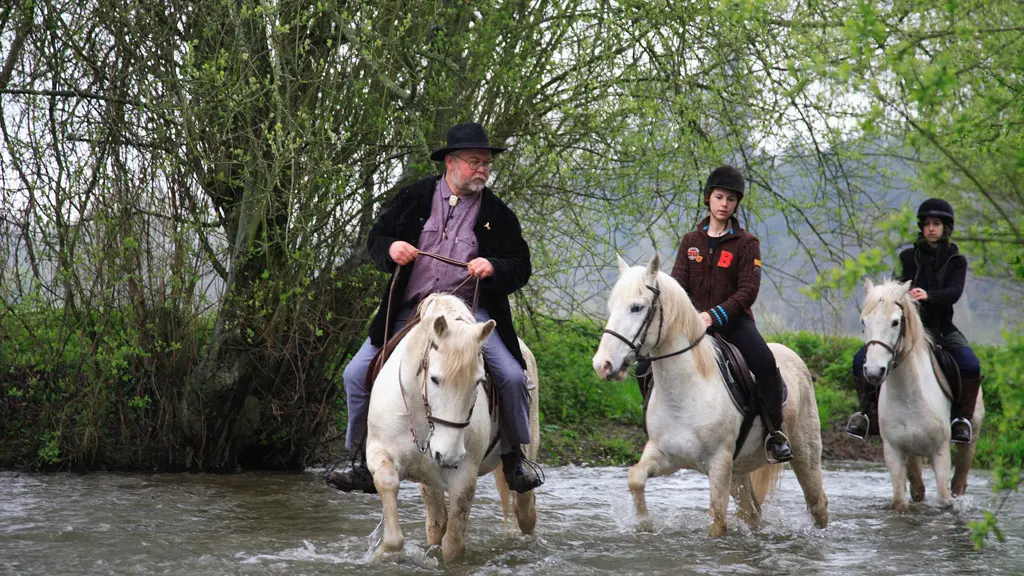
[
  {"x": 947, "y": 373},
  {"x": 739, "y": 380}
]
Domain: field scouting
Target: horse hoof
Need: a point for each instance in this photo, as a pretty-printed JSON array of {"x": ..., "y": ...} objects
[
  {"x": 452, "y": 551},
  {"x": 717, "y": 530},
  {"x": 393, "y": 544},
  {"x": 644, "y": 525},
  {"x": 900, "y": 507}
]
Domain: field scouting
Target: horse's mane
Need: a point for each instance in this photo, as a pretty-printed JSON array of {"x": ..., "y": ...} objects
[
  {"x": 887, "y": 294},
  {"x": 679, "y": 311},
  {"x": 679, "y": 315},
  {"x": 459, "y": 347}
]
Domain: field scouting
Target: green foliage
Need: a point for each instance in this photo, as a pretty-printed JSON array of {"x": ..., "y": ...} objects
[
  {"x": 571, "y": 392},
  {"x": 829, "y": 360}
]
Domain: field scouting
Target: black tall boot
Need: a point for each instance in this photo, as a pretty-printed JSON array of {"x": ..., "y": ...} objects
[
  {"x": 960, "y": 428},
  {"x": 769, "y": 395},
  {"x": 645, "y": 381},
  {"x": 517, "y": 475},
  {"x": 864, "y": 423},
  {"x": 354, "y": 475}
]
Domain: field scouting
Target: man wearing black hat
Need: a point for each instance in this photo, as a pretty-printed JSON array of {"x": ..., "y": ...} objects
[{"x": 457, "y": 216}]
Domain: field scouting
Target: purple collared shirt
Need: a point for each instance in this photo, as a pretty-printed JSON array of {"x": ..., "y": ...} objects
[{"x": 448, "y": 232}]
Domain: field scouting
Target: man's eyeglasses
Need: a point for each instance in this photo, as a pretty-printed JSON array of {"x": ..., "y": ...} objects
[{"x": 476, "y": 163}]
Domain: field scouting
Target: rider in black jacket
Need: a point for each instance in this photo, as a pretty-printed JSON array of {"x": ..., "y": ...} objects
[{"x": 937, "y": 271}]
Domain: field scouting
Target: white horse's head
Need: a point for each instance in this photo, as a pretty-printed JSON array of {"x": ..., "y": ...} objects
[
  {"x": 451, "y": 341},
  {"x": 632, "y": 326},
  {"x": 892, "y": 327}
]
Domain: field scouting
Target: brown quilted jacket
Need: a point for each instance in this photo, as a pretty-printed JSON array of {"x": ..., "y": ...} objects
[{"x": 724, "y": 283}]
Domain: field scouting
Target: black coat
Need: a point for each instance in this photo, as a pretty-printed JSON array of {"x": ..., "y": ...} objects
[
  {"x": 499, "y": 239},
  {"x": 943, "y": 281}
]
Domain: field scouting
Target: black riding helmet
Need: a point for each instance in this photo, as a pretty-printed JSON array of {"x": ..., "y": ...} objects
[
  {"x": 935, "y": 208},
  {"x": 726, "y": 178}
]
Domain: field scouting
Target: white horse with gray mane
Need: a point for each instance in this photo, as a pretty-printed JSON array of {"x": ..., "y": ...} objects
[
  {"x": 913, "y": 411},
  {"x": 429, "y": 422},
  {"x": 690, "y": 418}
]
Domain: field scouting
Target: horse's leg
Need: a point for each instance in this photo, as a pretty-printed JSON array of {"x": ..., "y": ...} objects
[
  {"x": 963, "y": 460},
  {"x": 437, "y": 514},
  {"x": 653, "y": 462},
  {"x": 965, "y": 452},
  {"x": 386, "y": 479},
  {"x": 940, "y": 464},
  {"x": 916, "y": 478},
  {"x": 897, "y": 464},
  {"x": 526, "y": 511},
  {"x": 462, "y": 490},
  {"x": 806, "y": 464},
  {"x": 746, "y": 503},
  {"x": 720, "y": 475}
]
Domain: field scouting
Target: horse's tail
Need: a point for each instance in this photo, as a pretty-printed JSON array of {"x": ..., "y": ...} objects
[{"x": 765, "y": 480}]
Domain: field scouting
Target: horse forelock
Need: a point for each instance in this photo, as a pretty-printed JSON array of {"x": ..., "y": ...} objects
[
  {"x": 886, "y": 295},
  {"x": 459, "y": 349}
]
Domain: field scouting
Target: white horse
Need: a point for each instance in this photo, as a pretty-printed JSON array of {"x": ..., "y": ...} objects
[
  {"x": 690, "y": 418},
  {"x": 913, "y": 412},
  {"x": 429, "y": 422}
]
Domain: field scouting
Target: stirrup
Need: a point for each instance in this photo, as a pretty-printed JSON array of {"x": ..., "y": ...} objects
[
  {"x": 867, "y": 426},
  {"x": 768, "y": 454},
  {"x": 970, "y": 430}
]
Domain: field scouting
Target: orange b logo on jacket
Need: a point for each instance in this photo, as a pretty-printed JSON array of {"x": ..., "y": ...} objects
[{"x": 725, "y": 260}]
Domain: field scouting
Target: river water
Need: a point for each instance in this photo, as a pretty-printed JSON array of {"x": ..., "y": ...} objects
[{"x": 258, "y": 523}]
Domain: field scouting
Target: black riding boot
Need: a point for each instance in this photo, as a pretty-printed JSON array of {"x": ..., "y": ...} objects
[
  {"x": 864, "y": 423},
  {"x": 960, "y": 428},
  {"x": 517, "y": 475},
  {"x": 354, "y": 475},
  {"x": 645, "y": 381},
  {"x": 776, "y": 445}
]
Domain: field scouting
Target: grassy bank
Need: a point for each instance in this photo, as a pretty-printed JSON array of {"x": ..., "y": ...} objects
[{"x": 587, "y": 420}]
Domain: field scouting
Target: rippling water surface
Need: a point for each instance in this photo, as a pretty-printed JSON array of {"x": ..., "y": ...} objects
[{"x": 292, "y": 524}]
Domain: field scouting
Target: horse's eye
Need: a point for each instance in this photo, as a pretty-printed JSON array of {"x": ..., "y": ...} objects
[
  {"x": 435, "y": 380},
  {"x": 635, "y": 308},
  {"x": 895, "y": 323}
]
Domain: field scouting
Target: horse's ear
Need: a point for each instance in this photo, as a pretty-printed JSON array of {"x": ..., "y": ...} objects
[
  {"x": 654, "y": 266},
  {"x": 622, "y": 264},
  {"x": 905, "y": 287},
  {"x": 440, "y": 326},
  {"x": 485, "y": 330},
  {"x": 868, "y": 285}
]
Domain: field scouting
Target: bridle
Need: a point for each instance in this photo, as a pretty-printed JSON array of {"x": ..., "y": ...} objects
[
  {"x": 894, "y": 349},
  {"x": 635, "y": 345},
  {"x": 424, "y": 366}
]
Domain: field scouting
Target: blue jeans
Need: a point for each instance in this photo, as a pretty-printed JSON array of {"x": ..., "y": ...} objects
[{"x": 966, "y": 361}]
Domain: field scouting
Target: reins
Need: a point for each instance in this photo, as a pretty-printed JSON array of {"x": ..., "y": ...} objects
[
  {"x": 424, "y": 362},
  {"x": 894, "y": 349},
  {"x": 635, "y": 346}
]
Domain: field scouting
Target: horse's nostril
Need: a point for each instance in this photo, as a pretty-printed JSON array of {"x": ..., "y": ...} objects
[{"x": 437, "y": 457}]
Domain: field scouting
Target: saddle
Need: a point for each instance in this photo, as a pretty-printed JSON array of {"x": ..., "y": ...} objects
[
  {"x": 389, "y": 347},
  {"x": 740, "y": 383},
  {"x": 947, "y": 373}
]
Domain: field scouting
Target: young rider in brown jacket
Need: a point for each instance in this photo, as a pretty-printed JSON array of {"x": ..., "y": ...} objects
[{"x": 719, "y": 266}]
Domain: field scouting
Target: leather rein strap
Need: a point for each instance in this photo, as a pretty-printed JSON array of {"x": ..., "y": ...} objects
[
  {"x": 641, "y": 334},
  {"x": 894, "y": 349},
  {"x": 424, "y": 362}
]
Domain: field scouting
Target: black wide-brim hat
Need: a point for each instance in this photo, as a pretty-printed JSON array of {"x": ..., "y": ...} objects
[{"x": 468, "y": 136}]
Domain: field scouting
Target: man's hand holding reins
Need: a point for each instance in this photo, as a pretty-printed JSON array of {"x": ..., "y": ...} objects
[
  {"x": 480, "y": 267},
  {"x": 402, "y": 252}
]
